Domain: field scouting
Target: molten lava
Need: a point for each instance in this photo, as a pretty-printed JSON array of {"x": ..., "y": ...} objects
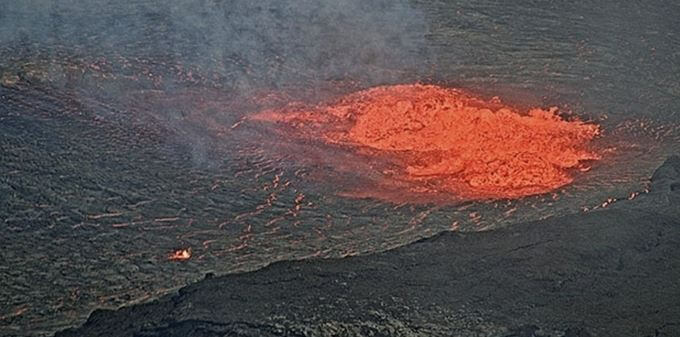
[
  {"x": 449, "y": 141},
  {"x": 180, "y": 255}
]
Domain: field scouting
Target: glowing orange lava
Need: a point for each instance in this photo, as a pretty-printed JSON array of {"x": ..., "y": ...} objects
[
  {"x": 180, "y": 255},
  {"x": 450, "y": 141}
]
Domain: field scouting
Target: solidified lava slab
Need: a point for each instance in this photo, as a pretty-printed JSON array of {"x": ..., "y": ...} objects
[
  {"x": 449, "y": 141},
  {"x": 608, "y": 273}
]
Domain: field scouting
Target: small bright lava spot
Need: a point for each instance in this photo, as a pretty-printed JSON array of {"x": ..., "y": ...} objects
[{"x": 180, "y": 255}]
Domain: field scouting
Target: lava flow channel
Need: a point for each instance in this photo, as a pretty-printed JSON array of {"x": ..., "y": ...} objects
[{"x": 447, "y": 141}]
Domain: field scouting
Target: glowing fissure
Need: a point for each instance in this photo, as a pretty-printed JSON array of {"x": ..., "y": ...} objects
[{"x": 454, "y": 142}]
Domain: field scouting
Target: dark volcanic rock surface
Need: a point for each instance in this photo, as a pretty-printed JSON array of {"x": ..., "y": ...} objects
[{"x": 612, "y": 272}]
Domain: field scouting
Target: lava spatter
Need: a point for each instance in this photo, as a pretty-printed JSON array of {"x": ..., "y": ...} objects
[{"x": 448, "y": 141}]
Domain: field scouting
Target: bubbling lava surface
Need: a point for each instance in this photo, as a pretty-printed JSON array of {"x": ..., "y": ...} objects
[{"x": 447, "y": 141}]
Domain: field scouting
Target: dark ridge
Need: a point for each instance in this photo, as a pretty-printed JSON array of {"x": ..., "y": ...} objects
[{"x": 612, "y": 272}]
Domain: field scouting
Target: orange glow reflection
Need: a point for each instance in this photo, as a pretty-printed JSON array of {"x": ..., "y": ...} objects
[{"x": 450, "y": 141}]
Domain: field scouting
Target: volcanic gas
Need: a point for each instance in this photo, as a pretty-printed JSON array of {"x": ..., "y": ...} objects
[{"x": 448, "y": 141}]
